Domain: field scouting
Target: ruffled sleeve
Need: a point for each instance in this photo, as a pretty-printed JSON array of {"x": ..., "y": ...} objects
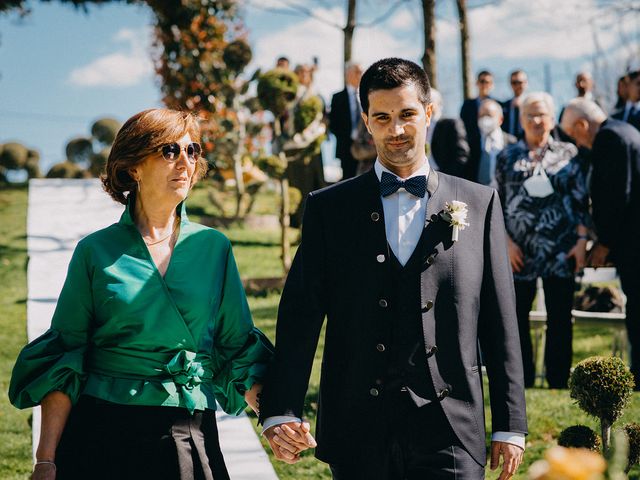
[
  {"x": 54, "y": 361},
  {"x": 240, "y": 352}
]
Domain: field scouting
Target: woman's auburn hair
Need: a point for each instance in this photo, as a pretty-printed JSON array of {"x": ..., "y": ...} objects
[{"x": 143, "y": 135}]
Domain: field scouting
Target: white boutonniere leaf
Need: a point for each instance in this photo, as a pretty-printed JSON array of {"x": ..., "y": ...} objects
[{"x": 455, "y": 213}]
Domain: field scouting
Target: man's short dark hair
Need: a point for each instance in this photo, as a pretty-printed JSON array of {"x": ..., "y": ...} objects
[
  {"x": 633, "y": 75},
  {"x": 484, "y": 73},
  {"x": 282, "y": 59},
  {"x": 390, "y": 73},
  {"x": 515, "y": 72}
]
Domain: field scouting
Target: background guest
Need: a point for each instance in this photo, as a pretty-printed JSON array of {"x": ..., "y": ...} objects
[
  {"x": 622, "y": 90},
  {"x": 511, "y": 108},
  {"x": 283, "y": 62},
  {"x": 630, "y": 111},
  {"x": 469, "y": 116},
  {"x": 615, "y": 199},
  {"x": 544, "y": 198},
  {"x": 492, "y": 140},
  {"x": 344, "y": 117},
  {"x": 447, "y": 140}
]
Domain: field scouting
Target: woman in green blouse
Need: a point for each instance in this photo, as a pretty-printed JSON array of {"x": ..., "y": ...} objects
[{"x": 152, "y": 327}]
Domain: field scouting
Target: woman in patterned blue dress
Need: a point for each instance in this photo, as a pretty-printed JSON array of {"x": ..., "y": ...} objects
[{"x": 543, "y": 190}]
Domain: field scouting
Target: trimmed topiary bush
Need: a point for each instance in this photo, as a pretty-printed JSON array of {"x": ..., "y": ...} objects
[
  {"x": 602, "y": 387},
  {"x": 306, "y": 112},
  {"x": 105, "y": 130},
  {"x": 580, "y": 436},
  {"x": 98, "y": 162},
  {"x": 272, "y": 165},
  {"x": 277, "y": 88},
  {"x": 632, "y": 430},
  {"x": 13, "y": 156},
  {"x": 67, "y": 170},
  {"x": 237, "y": 55},
  {"x": 79, "y": 150}
]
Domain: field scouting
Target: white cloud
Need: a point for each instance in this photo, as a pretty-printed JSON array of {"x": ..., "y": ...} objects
[{"x": 124, "y": 68}]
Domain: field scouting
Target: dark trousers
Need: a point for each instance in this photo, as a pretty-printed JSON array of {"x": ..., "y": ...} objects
[
  {"x": 414, "y": 444},
  {"x": 107, "y": 441},
  {"x": 558, "y": 351},
  {"x": 631, "y": 288}
]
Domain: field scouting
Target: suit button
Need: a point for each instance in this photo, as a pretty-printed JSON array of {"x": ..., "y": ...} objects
[
  {"x": 430, "y": 260},
  {"x": 380, "y": 258},
  {"x": 383, "y": 303},
  {"x": 375, "y": 216},
  {"x": 443, "y": 393},
  {"x": 427, "y": 306},
  {"x": 433, "y": 350},
  {"x": 374, "y": 392},
  {"x": 380, "y": 347},
  {"x": 434, "y": 217}
]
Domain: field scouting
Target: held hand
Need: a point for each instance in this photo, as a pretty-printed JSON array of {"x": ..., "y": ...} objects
[
  {"x": 598, "y": 256},
  {"x": 579, "y": 254},
  {"x": 511, "y": 458},
  {"x": 287, "y": 440},
  {"x": 44, "y": 471},
  {"x": 515, "y": 256}
]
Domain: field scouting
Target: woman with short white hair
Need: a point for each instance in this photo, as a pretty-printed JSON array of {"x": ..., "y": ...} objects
[{"x": 544, "y": 195}]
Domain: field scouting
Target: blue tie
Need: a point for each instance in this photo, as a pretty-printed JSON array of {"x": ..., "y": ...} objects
[{"x": 390, "y": 184}]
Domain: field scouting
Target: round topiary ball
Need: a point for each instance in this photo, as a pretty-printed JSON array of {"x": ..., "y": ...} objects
[
  {"x": 66, "y": 170},
  {"x": 237, "y": 55},
  {"x": 602, "y": 386},
  {"x": 98, "y": 162},
  {"x": 306, "y": 112},
  {"x": 105, "y": 130},
  {"x": 79, "y": 150},
  {"x": 580, "y": 436},
  {"x": 277, "y": 88},
  {"x": 14, "y": 155},
  {"x": 632, "y": 431}
]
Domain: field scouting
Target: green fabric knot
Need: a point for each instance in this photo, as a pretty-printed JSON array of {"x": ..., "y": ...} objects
[{"x": 188, "y": 374}]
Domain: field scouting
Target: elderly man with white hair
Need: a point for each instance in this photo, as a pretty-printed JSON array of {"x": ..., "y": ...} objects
[
  {"x": 544, "y": 196},
  {"x": 492, "y": 140},
  {"x": 615, "y": 195}
]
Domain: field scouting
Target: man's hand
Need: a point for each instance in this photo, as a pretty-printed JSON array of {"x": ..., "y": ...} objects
[
  {"x": 44, "y": 471},
  {"x": 579, "y": 254},
  {"x": 598, "y": 256},
  {"x": 515, "y": 255},
  {"x": 287, "y": 440},
  {"x": 511, "y": 458}
]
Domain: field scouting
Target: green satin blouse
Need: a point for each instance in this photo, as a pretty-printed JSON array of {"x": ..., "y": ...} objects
[{"x": 123, "y": 333}]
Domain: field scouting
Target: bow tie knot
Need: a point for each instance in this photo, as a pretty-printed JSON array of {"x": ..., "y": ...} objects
[{"x": 390, "y": 184}]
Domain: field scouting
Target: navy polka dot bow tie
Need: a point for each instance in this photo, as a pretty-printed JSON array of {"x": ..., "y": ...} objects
[{"x": 415, "y": 185}]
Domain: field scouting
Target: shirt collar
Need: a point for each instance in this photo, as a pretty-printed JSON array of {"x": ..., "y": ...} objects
[
  {"x": 423, "y": 170},
  {"x": 127, "y": 218}
]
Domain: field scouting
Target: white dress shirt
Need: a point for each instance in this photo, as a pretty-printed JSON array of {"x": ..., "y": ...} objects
[
  {"x": 404, "y": 218},
  {"x": 492, "y": 145}
]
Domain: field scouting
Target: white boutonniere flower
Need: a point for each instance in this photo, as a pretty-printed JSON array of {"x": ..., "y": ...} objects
[{"x": 456, "y": 214}]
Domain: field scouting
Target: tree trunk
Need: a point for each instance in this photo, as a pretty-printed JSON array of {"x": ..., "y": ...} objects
[
  {"x": 237, "y": 158},
  {"x": 285, "y": 220},
  {"x": 605, "y": 430},
  {"x": 348, "y": 30},
  {"x": 464, "y": 48},
  {"x": 429, "y": 57}
]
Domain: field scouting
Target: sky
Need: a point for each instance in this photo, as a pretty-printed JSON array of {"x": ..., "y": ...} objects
[{"x": 62, "y": 68}]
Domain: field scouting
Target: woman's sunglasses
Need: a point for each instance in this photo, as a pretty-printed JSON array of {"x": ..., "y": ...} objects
[{"x": 171, "y": 151}]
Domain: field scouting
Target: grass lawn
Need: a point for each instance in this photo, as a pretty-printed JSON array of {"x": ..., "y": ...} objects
[{"x": 257, "y": 253}]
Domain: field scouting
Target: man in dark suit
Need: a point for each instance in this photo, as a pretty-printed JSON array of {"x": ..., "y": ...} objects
[
  {"x": 511, "y": 108},
  {"x": 615, "y": 197},
  {"x": 469, "y": 116},
  {"x": 408, "y": 297},
  {"x": 629, "y": 112},
  {"x": 343, "y": 119},
  {"x": 447, "y": 139}
]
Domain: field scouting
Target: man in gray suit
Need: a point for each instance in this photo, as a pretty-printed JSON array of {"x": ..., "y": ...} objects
[{"x": 410, "y": 268}]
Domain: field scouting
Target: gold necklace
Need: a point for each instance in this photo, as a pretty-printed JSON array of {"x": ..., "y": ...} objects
[{"x": 175, "y": 227}]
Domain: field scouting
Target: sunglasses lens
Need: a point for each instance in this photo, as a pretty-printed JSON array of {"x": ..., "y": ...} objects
[
  {"x": 171, "y": 151},
  {"x": 194, "y": 150}
]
